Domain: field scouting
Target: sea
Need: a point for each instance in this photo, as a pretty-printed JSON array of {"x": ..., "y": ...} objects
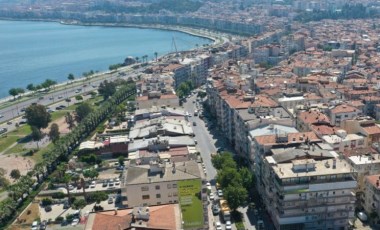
[{"x": 31, "y": 51}]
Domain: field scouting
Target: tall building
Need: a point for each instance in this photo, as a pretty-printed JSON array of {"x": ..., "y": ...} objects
[{"x": 308, "y": 189}]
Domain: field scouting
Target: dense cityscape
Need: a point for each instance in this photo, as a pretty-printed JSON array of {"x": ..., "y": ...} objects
[{"x": 273, "y": 125}]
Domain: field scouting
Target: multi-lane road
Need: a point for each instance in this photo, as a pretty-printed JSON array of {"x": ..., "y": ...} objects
[{"x": 54, "y": 98}]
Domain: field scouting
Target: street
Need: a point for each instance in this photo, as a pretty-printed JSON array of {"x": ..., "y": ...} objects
[{"x": 53, "y": 99}]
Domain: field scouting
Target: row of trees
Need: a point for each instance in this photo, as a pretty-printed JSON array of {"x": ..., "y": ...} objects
[
  {"x": 235, "y": 180},
  {"x": 62, "y": 148}
]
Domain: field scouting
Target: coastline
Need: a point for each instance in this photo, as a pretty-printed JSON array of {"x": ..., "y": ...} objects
[{"x": 212, "y": 36}]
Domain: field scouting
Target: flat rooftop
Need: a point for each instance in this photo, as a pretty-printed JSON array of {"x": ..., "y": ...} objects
[
  {"x": 365, "y": 159},
  {"x": 284, "y": 171}
]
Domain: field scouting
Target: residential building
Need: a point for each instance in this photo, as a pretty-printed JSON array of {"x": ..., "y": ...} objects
[
  {"x": 365, "y": 126},
  {"x": 343, "y": 112},
  {"x": 372, "y": 194},
  {"x": 308, "y": 189}
]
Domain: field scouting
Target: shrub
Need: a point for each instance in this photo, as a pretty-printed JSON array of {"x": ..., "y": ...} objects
[
  {"x": 59, "y": 219},
  {"x": 59, "y": 195},
  {"x": 46, "y": 202},
  {"x": 97, "y": 197},
  {"x": 79, "y": 204}
]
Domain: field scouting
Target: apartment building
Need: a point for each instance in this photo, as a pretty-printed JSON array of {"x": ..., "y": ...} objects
[
  {"x": 365, "y": 126},
  {"x": 158, "y": 183},
  {"x": 308, "y": 189},
  {"x": 343, "y": 112},
  {"x": 181, "y": 73},
  {"x": 372, "y": 194},
  {"x": 341, "y": 141}
]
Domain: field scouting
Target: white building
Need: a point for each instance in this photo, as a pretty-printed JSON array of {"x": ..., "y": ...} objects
[{"x": 343, "y": 141}]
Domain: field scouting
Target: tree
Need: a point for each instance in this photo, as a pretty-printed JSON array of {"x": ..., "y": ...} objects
[
  {"x": 247, "y": 178},
  {"x": 91, "y": 173},
  {"x": 236, "y": 196},
  {"x": 228, "y": 176},
  {"x": 70, "y": 120},
  {"x": 36, "y": 135},
  {"x": 16, "y": 91},
  {"x": 156, "y": 54},
  {"x": 67, "y": 179},
  {"x": 82, "y": 111},
  {"x": 107, "y": 89},
  {"x": 71, "y": 77},
  {"x": 48, "y": 83},
  {"x": 79, "y": 204},
  {"x": 78, "y": 98},
  {"x": 30, "y": 87},
  {"x": 15, "y": 174},
  {"x": 121, "y": 160},
  {"x": 223, "y": 161},
  {"x": 37, "y": 116},
  {"x": 54, "y": 133}
]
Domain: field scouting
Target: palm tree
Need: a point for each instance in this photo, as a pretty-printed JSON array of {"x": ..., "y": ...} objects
[
  {"x": 83, "y": 183},
  {"x": 137, "y": 59},
  {"x": 156, "y": 54},
  {"x": 67, "y": 180}
]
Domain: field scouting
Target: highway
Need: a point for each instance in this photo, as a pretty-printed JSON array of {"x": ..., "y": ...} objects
[{"x": 11, "y": 115}]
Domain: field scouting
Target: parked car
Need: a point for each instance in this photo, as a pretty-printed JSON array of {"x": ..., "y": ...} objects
[
  {"x": 215, "y": 209},
  {"x": 362, "y": 216},
  {"x": 208, "y": 185},
  {"x": 212, "y": 197},
  {"x": 228, "y": 225},
  {"x": 75, "y": 222},
  {"x": 220, "y": 193},
  {"x": 43, "y": 225},
  {"x": 117, "y": 181},
  {"x": 93, "y": 184},
  {"x": 68, "y": 99},
  {"x": 9, "y": 122},
  {"x": 35, "y": 225},
  {"x": 110, "y": 200},
  {"x": 105, "y": 184},
  {"x": 48, "y": 208},
  {"x": 110, "y": 183},
  {"x": 218, "y": 225},
  {"x": 71, "y": 187}
]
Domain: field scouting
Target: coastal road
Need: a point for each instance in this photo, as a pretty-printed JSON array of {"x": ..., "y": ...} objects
[{"x": 14, "y": 112}]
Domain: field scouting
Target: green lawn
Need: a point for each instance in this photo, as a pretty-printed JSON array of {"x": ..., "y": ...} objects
[{"x": 191, "y": 204}]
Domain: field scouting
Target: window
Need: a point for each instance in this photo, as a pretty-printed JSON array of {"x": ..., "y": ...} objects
[
  {"x": 174, "y": 194},
  {"x": 169, "y": 186},
  {"x": 157, "y": 187},
  {"x": 170, "y": 194},
  {"x": 145, "y": 197},
  {"x": 174, "y": 185},
  {"x": 158, "y": 195},
  {"x": 145, "y": 188},
  {"x": 170, "y": 201}
]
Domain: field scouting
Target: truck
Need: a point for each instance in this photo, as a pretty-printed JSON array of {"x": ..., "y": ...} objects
[{"x": 225, "y": 210}]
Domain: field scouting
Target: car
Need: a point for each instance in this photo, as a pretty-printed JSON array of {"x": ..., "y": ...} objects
[
  {"x": 51, "y": 98},
  {"x": 58, "y": 108},
  {"x": 195, "y": 141},
  {"x": 43, "y": 225},
  {"x": 215, "y": 210},
  {"x": 260, "y": 225},
  {"x": 117, "y": 181},
  {"x": 35, "y": 225},
  {"x": 62, "y": 106},
  {"x": 110, "y": 183},
  {"x": 212, "y": 197},
  {"x": 220, "y": 193},
  {"x": 48, "y": 208},
  {"x": 110, "y": 200},
  {"x": 75, "y": 222},
  {"x": 60, "y": 97},
  {"x": 1, "y": 116},
  {"x": 93, "y": 184},
  {"x": 218, "y": 225},
  {"x": 22, "y": 122},
  {"x": 9, "y": 122},
  {"x": 51, "y": 111},
  {"x": 189, "y": 115},
  {"x": 194, "y": 123},
  {"x": 71, "y": 187},
  {"x": 66, "y": 205},
  {"x": 68, "y": 99},
  {"x": 208, "y": 185},
  {"x": 362, "y": 216},
  {"x": 105, "y": 184},
  {"x": 228, "y": 225}
]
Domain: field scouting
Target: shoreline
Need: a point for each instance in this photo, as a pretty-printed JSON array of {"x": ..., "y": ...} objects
[{"x": 212, "y": 36}]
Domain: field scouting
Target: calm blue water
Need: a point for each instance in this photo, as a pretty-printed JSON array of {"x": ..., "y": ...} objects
[{"x": 31, "y": 52}]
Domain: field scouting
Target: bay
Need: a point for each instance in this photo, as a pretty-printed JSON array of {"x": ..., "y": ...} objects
[{"x": 31, "y": 52}]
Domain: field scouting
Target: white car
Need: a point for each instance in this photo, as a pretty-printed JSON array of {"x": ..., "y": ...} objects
[
  {"x": 71, "y": 187},
  {"x": 93, "y": 184},
  {"x": 117, "y": 181},
  {"x": 218, "y": 226},
  {"x": 220, "y": 193},
  {"x": 75, "y": 222},
  {"x": 212, "y": 197},
  {"x": 208, "y": 185},
  {"x": 228, "y": 225},
  {"x": 35, "y": 225}
]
